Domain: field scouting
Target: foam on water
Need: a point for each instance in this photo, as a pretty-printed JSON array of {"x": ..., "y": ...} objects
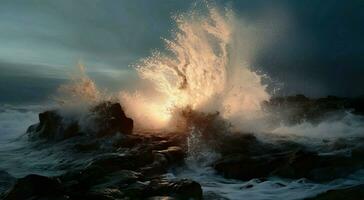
[
  {"x": 19, "y": 156},
  {"x": 348, "y": 126},
  {"x": 216, "y": 187}
]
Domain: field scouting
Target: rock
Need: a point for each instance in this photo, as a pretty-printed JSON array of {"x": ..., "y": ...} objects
[
  {"x": 136, "y": 190},
  {"x": 110, "y": 186},
  {"x": 87, "y": 147},
  {"x": 6, "y": 181},
  {"x": 351, "y": 193},
  {"x": 161, "y": 145},
  {"x": 240, "y": 143},
  {"x": 130, "y": 161},
  {"x": 164, "y": 159},
  {"x": 101, "y": 194},
  {"x": 128, "y": 141},
  {"x": 52, "y": 126},
  {"x": 110, "y": 119},
  {"x": 161, "y": 198},
  {"x": 33, "y": 187},
  {"x": 159, "y": 166},
  {"x": 120, "y": 178},
  {"x": 173, "y": 154},
  {"x": 179, "y": 189}
]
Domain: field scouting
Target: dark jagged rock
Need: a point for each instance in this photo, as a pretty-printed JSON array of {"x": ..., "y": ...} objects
[
  {"x": 163, "y": 160},
  {"x": 179, "y": 189},
  {"x": 115, "y": 162},
  {"x": 159, "y": 166},
  {"x": 128, "y": 141},
  {"x": 111, "y": 119},
  {"x": 52, "y": 126},
  {"x": 351, "y": 193},
  {"x": 33, "y": 187},
  {"x": 161, "y": 198},
  {"x": 173, "y": 154},
  {"x": 102, "y": 194}
]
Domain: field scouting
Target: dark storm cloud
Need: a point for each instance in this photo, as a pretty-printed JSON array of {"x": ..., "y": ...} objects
[{"x": 320, "y": 52}]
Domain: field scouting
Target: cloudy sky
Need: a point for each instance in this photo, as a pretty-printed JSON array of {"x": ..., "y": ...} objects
[{"x": 320, "y": 52}]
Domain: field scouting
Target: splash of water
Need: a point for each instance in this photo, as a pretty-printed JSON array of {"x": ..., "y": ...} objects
[
  {"x": 202, "y": 68},
  {"x": 80, "y": 90}
]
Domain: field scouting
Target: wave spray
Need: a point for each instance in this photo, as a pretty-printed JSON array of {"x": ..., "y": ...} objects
[{"x": 202, "y": 67}]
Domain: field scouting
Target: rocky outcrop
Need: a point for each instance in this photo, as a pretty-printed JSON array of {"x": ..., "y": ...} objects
[
  {"x": 131, "y": 166},
  {"x": 52, "y": 126},
  {"x": 136, "y": 173},
  {"x": 108, "y": 117}
]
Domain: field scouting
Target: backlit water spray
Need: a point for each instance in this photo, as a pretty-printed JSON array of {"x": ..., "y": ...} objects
[{"x": 202, "y": 68}]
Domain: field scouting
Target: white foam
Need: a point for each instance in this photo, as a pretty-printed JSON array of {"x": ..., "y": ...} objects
[{"x": 349, "y": 126}]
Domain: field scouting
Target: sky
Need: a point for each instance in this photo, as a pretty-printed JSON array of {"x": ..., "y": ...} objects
[{"x": 319, "y": 53}]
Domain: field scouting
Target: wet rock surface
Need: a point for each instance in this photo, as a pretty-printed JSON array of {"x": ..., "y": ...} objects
[
  {"x": 135, "y": 173},
  {"x": 108, "y": 119},
  {"x": 127, "y": 165},
  {"x": 131, "y": 167}
]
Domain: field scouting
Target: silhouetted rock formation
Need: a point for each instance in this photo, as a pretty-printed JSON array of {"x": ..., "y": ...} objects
[
  {"x": 109, "y": 119},
  {"x": 52, "y": 126}
]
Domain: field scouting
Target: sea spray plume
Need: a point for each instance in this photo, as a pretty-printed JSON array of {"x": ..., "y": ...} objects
[
  {"x": 80, "y": 90},
  {"x": 76, "y": 99},
  {"x": 201, "y": 69}
]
